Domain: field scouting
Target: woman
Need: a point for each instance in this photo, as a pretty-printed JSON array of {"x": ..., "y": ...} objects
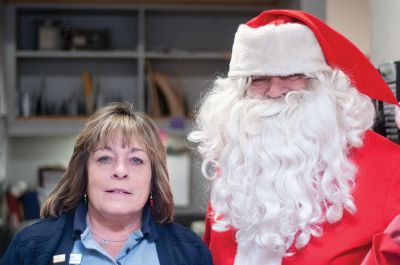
[{"x": 113, "y": 205}]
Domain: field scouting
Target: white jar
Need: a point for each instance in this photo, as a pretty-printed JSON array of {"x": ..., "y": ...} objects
[{"x": 49, "y": 36}]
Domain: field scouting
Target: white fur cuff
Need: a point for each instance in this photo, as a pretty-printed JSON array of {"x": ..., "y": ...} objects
[{"x": 276, "y": 50}]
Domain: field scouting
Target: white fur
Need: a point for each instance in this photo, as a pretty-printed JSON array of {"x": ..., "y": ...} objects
[
  {"x": 251, "y": 254},
  {"x": 284, "y": 162},
  {"x": 275, "y": 50}
]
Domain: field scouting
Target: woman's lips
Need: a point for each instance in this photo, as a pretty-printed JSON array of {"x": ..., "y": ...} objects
[{"x": 118, "y": 191}]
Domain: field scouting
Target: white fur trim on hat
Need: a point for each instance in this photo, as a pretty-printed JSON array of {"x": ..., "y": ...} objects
[{"x": 281, "y": 50}]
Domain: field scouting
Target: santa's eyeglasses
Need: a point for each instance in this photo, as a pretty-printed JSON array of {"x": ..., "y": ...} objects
[{"x": 258, "y": 80}]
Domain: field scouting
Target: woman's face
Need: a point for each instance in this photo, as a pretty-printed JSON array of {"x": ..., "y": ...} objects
[{"x": 119, "y": 180}]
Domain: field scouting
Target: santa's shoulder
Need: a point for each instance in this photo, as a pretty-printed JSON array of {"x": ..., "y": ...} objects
[
  {"x": 377, "y": 149},
  {"x": 373, "y": 140}
]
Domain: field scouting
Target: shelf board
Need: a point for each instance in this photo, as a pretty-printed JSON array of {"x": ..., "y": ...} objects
[
  {"x": 189, "y": 55},
  {"x": 42, "y": 125},
  {"x": 46, "y": 125},
  {"x": 53, "y": 118},
  {"x": 32, "y": 54}
]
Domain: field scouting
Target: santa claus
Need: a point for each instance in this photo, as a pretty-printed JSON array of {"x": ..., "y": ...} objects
[{"x": 297, "y": 176}]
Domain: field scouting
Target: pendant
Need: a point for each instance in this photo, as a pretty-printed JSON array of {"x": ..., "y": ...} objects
[{"x": 104, "y": 243}]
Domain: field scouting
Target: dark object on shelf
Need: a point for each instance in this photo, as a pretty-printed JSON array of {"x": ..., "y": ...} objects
[
  {"x": 385, "y": 122},
  {"x": 82, "y": 39},
  {"x": 66, "y": 34}
]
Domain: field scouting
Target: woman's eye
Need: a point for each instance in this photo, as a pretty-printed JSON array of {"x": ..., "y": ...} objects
[
  {"x": 104, "y": 159},
  {"x": 136, "y": 161}
]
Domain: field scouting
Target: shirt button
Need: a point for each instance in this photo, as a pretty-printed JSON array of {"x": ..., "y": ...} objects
[{"x": 127, "y": 250}]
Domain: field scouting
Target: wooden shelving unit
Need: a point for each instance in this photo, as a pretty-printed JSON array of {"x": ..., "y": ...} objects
[{"x": 187, "y": 43}]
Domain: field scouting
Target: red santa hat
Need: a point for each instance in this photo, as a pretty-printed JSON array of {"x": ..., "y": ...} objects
[{"x": 285, "y": 42}]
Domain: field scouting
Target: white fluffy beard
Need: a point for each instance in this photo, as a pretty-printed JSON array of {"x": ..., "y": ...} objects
[{"x": 284, "y": 162}]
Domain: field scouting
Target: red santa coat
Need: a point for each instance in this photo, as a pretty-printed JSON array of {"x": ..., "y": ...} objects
[
  {"x": 385, "y": 246},
  {"x": 377, "y": 197}
]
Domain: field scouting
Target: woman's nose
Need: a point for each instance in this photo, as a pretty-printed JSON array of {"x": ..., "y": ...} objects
[{"x": 120, "y": 171}]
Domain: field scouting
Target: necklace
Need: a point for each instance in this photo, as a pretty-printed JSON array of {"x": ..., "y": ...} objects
[{"x": 105, "y": 242}]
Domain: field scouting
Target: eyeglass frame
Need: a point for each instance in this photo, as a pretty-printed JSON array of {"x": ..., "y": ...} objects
[{"x": 261, "y": 79}]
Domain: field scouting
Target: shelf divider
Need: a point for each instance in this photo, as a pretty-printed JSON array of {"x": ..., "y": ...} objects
[
  {"x": 114, "y": 54},
  {"x": 189, "y": 55}
]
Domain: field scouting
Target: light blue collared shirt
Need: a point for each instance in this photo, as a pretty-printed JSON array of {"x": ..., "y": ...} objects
[{"x": 140, "y": 249}]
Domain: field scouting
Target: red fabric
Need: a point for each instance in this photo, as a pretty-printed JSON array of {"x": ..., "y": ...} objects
[
  {"x": 385, "y": 246},
  {"x": 223, "y": 244},
  {"x": 347, "y": 242},
  {"x": 339, "y": 52},
  {"x": 15, "y": 210}
]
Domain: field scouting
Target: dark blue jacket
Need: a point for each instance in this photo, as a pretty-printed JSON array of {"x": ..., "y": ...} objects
[{"x": 36, "y": 244}]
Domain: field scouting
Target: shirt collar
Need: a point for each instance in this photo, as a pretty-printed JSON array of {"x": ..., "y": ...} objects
[
  {"x": 79, "y": 220},
  {"x": 147, "y": 228}
]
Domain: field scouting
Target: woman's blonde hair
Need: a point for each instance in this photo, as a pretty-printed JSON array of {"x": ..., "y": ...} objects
[{"x": 99, "y": 130}]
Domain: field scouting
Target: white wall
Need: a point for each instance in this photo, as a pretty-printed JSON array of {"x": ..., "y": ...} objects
[
  {"x": 372, "y": 25},
  {"x": 28, "y": 154},
  {"x": 385, "y": 31},
  {"x": 2, "y": 88},
  {"x": 315, "y": 7},
  {"x": 352, "y": 19}
]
